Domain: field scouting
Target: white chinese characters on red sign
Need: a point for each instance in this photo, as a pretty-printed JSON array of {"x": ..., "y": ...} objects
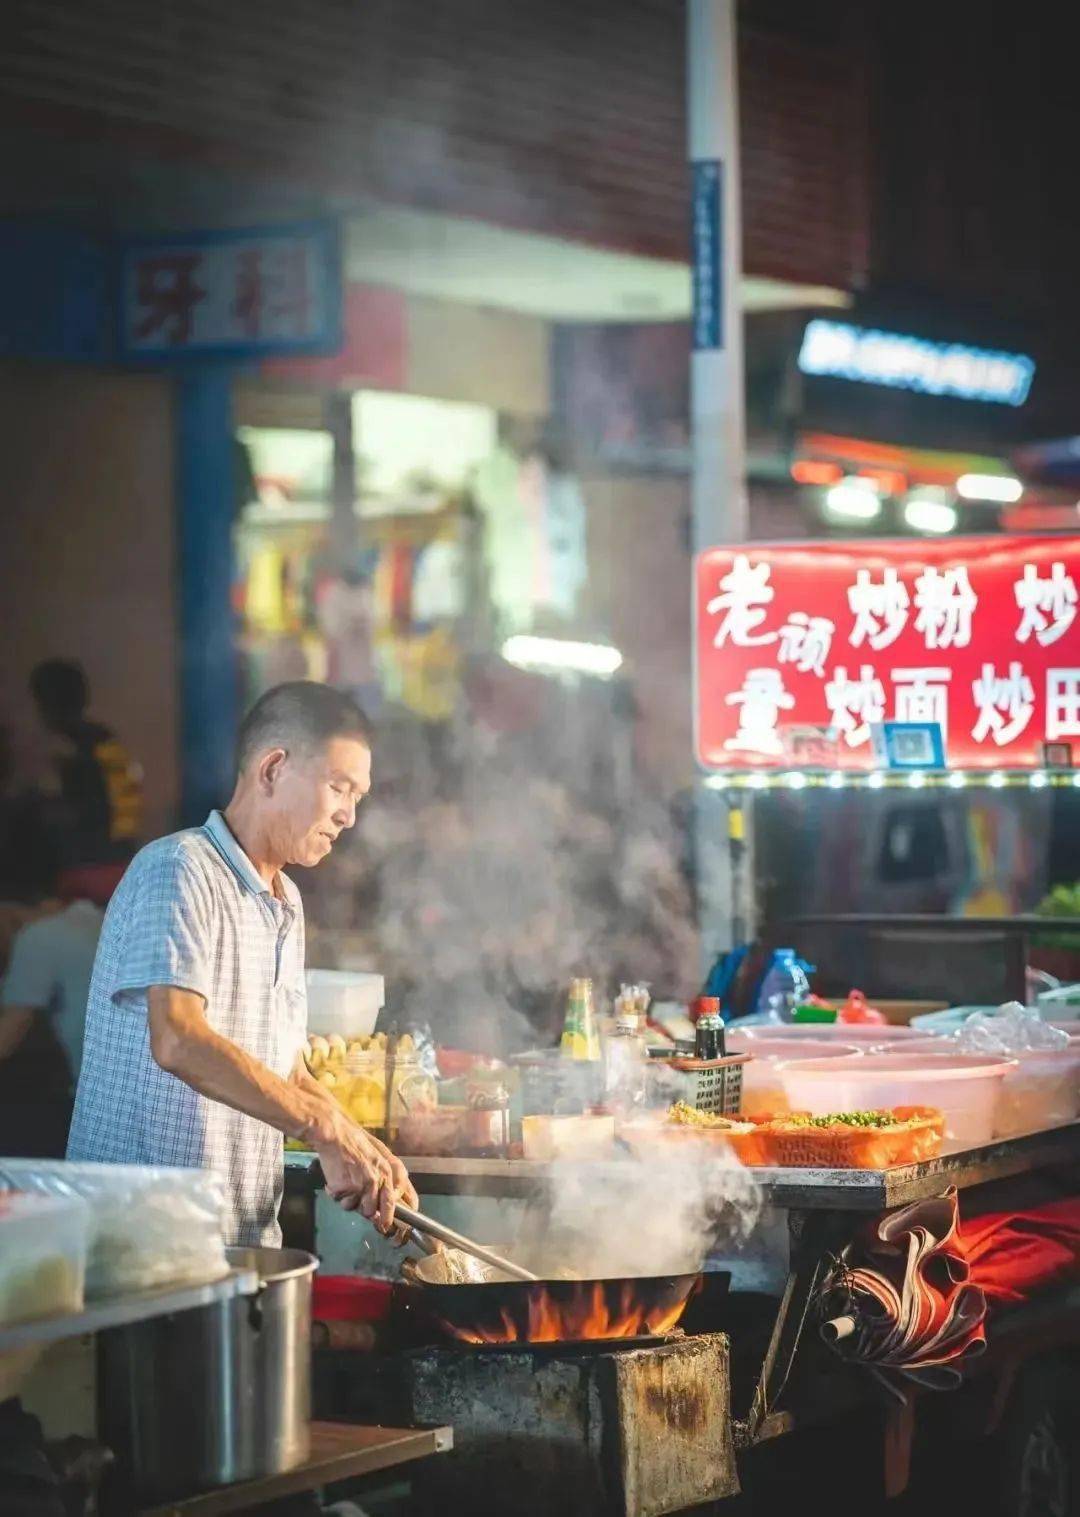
[
  {"x": 979, "y": 636},
  {"x": 259, "y": 292}
]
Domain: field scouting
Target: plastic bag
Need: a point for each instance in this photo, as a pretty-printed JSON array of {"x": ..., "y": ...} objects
[
  {"x": 148, "y": 1228},
  {"x": 1010, "y": 1029}
]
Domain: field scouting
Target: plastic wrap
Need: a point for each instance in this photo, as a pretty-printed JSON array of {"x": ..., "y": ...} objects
[
  {"x": 43, "y": 1248},
  {"x": 147, "y": 1228}
]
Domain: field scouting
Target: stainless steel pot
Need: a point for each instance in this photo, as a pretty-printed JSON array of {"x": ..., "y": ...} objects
[{"x": 217, "y": 1394}]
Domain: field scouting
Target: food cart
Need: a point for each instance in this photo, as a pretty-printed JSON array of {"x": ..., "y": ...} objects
[{"x": 842, "y": 666}]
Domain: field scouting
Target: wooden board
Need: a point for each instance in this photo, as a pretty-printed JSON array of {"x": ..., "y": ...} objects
[{"x": 339, "y": 1451}]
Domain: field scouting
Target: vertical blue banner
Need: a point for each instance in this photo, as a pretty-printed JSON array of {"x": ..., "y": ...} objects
[{"x": 707, "y": 244}]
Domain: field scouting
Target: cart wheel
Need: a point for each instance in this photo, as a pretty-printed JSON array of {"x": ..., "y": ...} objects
[{"x": 1038, "y": 1469}]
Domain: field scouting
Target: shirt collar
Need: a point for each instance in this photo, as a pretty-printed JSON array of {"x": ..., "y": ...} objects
[{"x": 221, "y": 835}]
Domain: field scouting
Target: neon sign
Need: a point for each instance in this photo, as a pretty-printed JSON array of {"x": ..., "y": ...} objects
[{"x": 839, "y": 351}]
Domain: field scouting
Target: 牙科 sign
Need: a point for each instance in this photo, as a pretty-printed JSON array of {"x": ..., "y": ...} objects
[
  {"x": 259, "y": 292},
  {"x": 979, "y": 636}
]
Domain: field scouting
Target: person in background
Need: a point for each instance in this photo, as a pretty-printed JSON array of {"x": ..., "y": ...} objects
[
  {"x": 92, "y": 798},
  {"x": 197, "y": 1016},
  {"x": 43, "y": 996}
]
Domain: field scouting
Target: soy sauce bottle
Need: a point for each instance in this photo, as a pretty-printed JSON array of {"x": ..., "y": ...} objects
[{"x": 709, "y": 1029}]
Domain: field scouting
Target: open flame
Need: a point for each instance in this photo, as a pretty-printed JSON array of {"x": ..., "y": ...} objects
[{"x": 582, "y": 1310}]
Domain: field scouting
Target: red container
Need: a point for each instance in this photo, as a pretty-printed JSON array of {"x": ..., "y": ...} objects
[{"x": 350, "y": 1298}]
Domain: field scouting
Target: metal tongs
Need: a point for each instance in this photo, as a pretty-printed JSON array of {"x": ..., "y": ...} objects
[{"x": 417, "y": 1222}]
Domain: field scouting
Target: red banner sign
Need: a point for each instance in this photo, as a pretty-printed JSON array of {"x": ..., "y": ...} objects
[{"x": 802, "y": 648}]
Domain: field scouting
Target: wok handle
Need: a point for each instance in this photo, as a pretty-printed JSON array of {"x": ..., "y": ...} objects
[{"x": 446, "y": 1234}]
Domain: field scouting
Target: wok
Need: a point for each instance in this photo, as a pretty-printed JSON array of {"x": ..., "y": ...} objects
[{"x": 558, "y": 1310}]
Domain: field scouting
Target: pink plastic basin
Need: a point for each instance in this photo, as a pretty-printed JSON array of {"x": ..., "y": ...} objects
[
  {"x": 965, "y": 1087},
  {"x": 863, "y": 1034},
  {"x": 762, "y": 1088}
]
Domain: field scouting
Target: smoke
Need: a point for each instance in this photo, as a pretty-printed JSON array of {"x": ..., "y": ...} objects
[
  {"x": 483, "y": 885},
  {"x": 636, "y": 1215}
]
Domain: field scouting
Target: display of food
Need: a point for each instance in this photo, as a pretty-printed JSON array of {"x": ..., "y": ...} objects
[
  {"x": 875, "y": 1139},
  {"x": 683, "y": 1115},
  {"x": 355, "y": 1073}
]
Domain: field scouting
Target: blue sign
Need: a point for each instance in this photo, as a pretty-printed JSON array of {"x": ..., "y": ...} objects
[
  {"x": 908, "y": 745},
  {"x": 840, "y": 351},
  {"x": 707, "y": 241},
  {"x": 258, "y": 292}
]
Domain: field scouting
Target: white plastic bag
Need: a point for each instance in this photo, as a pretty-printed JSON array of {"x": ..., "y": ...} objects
[{"x": 148, "y": 1228}]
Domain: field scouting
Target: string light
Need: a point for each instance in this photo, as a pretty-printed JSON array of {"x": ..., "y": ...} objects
[{"x": 892, "y": 779}]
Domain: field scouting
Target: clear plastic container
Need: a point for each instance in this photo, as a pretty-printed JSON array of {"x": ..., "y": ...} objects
[
  {"x": 361, "y": 1088},
  {"x": 148, "y": 1227},
  {"x": 43, "y": 1246},
  {"x": 626, "y": 1065},
  {"x": 1042, "y": 1089},
  {"x": 964, "y": 1087}
]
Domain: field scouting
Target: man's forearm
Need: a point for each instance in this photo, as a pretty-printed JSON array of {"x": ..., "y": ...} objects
[{"x": 188, "y": 1047}]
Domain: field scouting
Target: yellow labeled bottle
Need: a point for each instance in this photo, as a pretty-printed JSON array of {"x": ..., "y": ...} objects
[{"x": 581, "y": 1036}]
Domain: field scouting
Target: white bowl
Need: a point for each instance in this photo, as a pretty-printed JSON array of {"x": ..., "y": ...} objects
[{"x": 965, "y": 1087}]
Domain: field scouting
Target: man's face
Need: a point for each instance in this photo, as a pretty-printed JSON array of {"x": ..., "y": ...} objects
[{"x": 316, "y": 796}]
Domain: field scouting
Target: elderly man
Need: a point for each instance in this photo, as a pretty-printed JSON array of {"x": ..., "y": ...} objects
[{"x": 197, "y": 1011}]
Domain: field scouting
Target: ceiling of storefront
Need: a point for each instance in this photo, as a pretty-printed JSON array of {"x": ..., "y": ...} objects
[{"x": 450, "y": 258}]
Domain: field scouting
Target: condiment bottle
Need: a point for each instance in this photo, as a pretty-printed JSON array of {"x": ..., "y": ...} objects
[
  {"x": 580, "y": 1036},
  {"x": 709, "y": 1029}
]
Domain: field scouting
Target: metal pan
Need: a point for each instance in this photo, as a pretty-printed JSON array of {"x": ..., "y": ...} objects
[{"x": 548, "y": 1310}]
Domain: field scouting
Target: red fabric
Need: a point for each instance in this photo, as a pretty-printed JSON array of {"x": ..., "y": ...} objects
[{"x": 1013, "y": 1254}]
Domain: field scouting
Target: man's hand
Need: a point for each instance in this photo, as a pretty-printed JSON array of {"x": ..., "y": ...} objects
[{"x": 361, "y": 1173}]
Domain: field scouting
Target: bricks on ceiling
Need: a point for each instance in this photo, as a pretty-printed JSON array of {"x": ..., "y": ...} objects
[{"x": 552, "y": 117}]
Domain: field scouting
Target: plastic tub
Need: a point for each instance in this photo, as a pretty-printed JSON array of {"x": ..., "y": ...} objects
[
  {"x": 1042, "y": 1088},
  {"x": 584, "y": 1137},
  {"x": 148, "y": 1227},
  {"x": 862, "y": 1034},
  {"x": 965, "y": 1087},
  {"x": 346, "y": 1001},
  {"x": 43, "y": 1244},
  {"x": 350, "y": 1298},
  {"x": 762, "y": 1088}
]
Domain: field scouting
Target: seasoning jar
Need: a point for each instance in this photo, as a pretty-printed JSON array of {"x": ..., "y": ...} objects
[{"x": 487, "y": 1121}]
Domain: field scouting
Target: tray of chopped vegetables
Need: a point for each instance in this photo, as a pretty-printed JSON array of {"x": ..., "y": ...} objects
[
  {"x": 841, "y": 1140},
  {"x": 845, "y": 1140}
]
